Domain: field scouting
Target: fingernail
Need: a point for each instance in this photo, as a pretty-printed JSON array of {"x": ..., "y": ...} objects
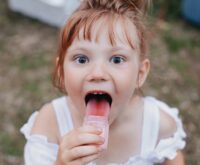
[{"x": 99, "y": 129}]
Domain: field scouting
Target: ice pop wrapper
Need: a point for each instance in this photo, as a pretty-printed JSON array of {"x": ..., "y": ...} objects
[{"x": 97, "y": 113}]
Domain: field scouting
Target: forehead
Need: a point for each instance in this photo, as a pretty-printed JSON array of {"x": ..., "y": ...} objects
[{"x": 111, "y": 31}]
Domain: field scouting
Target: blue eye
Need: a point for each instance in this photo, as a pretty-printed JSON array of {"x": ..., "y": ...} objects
[
  {"x": 81, "y": 59},
  {"x": 117, "y": 59}
]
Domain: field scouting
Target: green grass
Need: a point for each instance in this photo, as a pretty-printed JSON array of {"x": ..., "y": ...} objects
[
  {"x": 31, "y": 87},
  {"x": 2, "y": 46},
  {"x": 168, "y": 10},
  {"x": 31, "y": 61},
  {"x": 175, "y": 43},
  {"x": 179, "y": 64},
  {"x": 10, "y": 145}
]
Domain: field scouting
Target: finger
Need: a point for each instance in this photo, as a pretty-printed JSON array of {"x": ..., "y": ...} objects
[
  {"x": 84, "y": 129},
  {"x": 83, "y": 151},
  {"x": 84, "y": 139},
  {"x": 90, "y": 129},
  {"x": 81, "y": 136},
  {"x": 86, "y": 160}
]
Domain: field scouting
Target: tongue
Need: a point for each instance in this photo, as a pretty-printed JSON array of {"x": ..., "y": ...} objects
[{"x": 98, "y": 108}]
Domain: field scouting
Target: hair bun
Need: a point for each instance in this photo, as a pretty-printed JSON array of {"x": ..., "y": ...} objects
[{"x": 116, "y": 5}]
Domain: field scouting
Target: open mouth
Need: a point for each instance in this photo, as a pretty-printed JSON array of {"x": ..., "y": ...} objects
[{"x": 98, "y": 97}]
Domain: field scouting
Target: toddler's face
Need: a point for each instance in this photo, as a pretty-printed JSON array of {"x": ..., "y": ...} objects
[{"x": 97, "y": 66}]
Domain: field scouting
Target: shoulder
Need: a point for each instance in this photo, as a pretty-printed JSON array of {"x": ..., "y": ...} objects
[
  {"x": 46, "y": 123},
  {"x": 168, "y": 117},
  {"x": 170, "y": 133},
  {"x": 168, "y": 125}
]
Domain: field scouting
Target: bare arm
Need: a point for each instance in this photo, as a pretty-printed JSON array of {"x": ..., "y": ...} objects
[{"x": 178, "y": 160}]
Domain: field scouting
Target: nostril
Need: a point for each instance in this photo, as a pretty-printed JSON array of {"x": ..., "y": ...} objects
[{"x": 97, "y": 77}]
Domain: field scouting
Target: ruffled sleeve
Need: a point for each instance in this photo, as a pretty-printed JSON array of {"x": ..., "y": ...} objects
[
  {"x": 37, "y": 150},
  {"x": 167, "y": 148}
]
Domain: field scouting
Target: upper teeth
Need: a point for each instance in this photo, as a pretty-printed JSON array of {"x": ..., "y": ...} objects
[{"x": 99, "y": 93}]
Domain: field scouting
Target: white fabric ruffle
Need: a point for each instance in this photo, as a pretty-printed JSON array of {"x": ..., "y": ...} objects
[
  {"x": 37, "y": 149},
  {"x": 167, "y": 148}
]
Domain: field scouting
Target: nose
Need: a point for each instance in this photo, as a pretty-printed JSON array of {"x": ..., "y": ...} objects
[{"x": 98, "y": 73}]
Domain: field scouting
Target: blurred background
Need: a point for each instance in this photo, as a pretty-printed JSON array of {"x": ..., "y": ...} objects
[{"x": 27, "y": 53}]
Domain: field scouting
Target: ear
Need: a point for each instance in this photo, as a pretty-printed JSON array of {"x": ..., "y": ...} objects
[{"x": 143, "y": 72}]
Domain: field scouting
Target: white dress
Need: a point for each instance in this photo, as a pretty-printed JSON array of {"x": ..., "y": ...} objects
[{"x": 38, "y": 151}]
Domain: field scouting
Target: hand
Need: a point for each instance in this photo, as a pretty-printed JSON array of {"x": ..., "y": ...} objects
[{"x": 80, "y": 146}]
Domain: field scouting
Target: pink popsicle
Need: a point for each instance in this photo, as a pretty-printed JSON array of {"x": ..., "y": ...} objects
[{"x": 97, "y": 113}]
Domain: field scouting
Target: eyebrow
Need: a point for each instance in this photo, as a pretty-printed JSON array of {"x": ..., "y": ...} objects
[
  {"x": 113, "y": 49},
  {"x": 118, "y": 48},
  {"x": 78, "y": 49}
]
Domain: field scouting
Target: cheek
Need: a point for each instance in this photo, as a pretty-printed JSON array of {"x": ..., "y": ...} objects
[
  {"x": 127, "y": 79},
  {"x": 71, "y": 79}
]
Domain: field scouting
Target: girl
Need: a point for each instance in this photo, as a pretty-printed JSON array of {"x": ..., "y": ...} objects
[{"x": 102, "y": 65}]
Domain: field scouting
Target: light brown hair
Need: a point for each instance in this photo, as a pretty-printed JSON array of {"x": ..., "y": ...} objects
[{"x": 88, "y": 13}]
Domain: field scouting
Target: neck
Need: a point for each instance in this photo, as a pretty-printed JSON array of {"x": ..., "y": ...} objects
[{"x": 130, "y": 113}]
